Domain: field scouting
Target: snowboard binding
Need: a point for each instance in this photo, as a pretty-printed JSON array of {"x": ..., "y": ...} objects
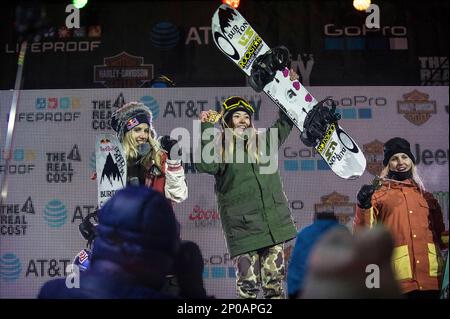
[
  {"x": 87, "y": 228},
  {"x": 317, "y": 122},
  {"x": 265, "y": 66}
]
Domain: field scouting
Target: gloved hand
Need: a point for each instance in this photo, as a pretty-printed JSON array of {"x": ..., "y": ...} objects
[
  {"x": 188, "y": 269},
  {"x": 87, "y": 228},
  {"x": 170, "y": 146},
  {"x": 364, "y": 196}
]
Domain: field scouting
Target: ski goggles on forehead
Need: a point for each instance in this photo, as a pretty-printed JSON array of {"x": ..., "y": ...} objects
[{"x": 229, "y": 107}]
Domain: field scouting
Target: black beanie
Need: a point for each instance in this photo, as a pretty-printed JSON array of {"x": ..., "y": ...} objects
[{"x": 397, "y": 145}]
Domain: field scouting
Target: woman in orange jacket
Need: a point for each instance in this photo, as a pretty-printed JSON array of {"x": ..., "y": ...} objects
[{"x": 413, "y": 217}]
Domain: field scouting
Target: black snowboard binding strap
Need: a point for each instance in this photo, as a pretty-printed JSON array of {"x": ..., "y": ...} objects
[
  {"x": 317, "y": 122},
  {"x": 266, "y": 65},
  {"x": 87, "y": 228}
]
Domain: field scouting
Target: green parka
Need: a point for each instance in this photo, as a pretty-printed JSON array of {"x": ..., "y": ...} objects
[{"x": 253, "y": 207}]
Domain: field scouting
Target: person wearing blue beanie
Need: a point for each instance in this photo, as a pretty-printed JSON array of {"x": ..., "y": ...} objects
[{"x": 137, "y": 244}]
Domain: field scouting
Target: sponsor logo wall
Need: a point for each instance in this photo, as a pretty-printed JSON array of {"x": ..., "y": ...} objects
[
  {"x": 334, "y": 48},
  {"x": 355, "y": 37},
  {"x": 50, "y": 190}
]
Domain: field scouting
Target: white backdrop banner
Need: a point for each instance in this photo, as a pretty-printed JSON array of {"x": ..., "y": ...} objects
[{"x": 49, "y": 189}]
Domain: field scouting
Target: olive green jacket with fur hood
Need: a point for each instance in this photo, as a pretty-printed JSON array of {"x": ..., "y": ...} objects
[{"x": 253, "y": 207}]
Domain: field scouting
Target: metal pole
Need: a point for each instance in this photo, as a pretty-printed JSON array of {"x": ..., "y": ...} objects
[{"x": 12, "y": 121}]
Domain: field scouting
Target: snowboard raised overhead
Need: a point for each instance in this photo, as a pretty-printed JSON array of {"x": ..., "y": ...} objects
[
  {"x": 110, "y": 166},
  {"x": 236, "y": 38}
]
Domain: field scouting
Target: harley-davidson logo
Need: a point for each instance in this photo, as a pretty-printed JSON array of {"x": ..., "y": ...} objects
[
  {"x": 337, "y": 203},
  {"x": 374, "y": 154},
  {"x": 123, "y": 70},
  {"x": 416, "y": 107}
]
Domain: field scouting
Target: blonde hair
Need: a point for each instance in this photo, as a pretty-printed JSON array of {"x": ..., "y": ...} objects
[
  {"x": 131, "y": 150},
  {"x": 415, "y": 175},
  {"x": 128, "y": 111}
]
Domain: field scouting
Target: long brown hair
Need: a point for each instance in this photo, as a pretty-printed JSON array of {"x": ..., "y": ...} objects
[{"x": 250, "y": 144}]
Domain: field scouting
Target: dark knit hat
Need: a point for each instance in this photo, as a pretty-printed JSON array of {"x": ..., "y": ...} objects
[
  {"x": 136, "y": 221},
  {"x": 130, "y": 115},
  {"x": 234, "y": 104},
  {"x": 397, "y": 145}
]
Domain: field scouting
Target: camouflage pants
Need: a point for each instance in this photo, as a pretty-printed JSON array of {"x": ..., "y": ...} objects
[{"x": 262, "y": 268}]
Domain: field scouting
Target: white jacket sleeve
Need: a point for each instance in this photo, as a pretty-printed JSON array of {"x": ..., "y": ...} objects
[{"x": 175, "y": 187}]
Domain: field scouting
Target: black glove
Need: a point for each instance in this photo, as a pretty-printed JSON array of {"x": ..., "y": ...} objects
[
  {"x": 188, "y": 269},
  {"x": 365, "y": 196},
  {"x": 167, "y": 144},
  {"x": 87, "y": 228}
]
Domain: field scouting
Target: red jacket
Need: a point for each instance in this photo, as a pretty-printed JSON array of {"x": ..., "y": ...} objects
[{"x": 415, "y": 221}]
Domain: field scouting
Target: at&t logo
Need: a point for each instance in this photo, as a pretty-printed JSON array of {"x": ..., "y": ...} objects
[
  {"x": 55, "y": 213},
  {"x": 10, "y": 267}
]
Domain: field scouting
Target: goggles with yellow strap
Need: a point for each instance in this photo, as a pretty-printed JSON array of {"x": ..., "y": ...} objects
[{"x": 239, "y": 102}]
